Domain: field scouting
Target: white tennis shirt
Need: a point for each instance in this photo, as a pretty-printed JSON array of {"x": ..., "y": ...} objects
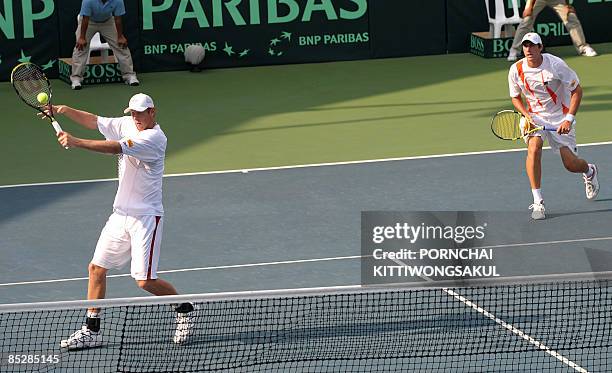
[
  {"x": 547, "y": 87},
  {"x": 141, "y": 166}
]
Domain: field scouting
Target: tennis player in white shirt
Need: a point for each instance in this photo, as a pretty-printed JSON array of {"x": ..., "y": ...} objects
[
  {"x": 134, "y": 230},
  {"x": 553, "y": 94}
]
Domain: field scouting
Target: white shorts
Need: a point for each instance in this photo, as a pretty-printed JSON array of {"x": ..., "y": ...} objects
[
  {"x": 130, "y": 237},
  {"x": 555, "y": 140}
]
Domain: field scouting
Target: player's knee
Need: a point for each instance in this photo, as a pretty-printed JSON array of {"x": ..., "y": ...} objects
[
  {"x": 145, "y": 284},
  {"x": 534, "y": 148},
  {"x": 96, "y": 271}
]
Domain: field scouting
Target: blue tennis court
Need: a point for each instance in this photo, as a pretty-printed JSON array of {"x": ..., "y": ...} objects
[{"x": 299, "y": 227}]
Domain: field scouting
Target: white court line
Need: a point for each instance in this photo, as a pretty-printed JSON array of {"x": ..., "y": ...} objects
[
  {"x": 539, "y": 345},
  {"x": 432, "y": 156},
  {"x": 193, "y": 269},
  {"x": 542, "y": 243},
  {"x": 297, "y": 261}
]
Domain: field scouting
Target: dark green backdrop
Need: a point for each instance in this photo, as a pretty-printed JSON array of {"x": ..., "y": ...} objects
[{"x": 264, "y": 32}]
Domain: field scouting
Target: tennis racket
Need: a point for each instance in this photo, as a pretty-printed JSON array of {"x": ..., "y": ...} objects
[
  {"x": 506, "y": 125},
  {"x": 29, "y": 81}
]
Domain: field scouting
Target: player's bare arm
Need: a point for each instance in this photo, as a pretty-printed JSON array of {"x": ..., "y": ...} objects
[
  {"x": 84, "y": 118},
  {"x": 100, "y": 146},
  {"x": 520, "y": 107},
  {"x": 575, "y": 99}
]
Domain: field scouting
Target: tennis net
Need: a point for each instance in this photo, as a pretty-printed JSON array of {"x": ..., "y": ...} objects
[{"x": 543, "y": 327}]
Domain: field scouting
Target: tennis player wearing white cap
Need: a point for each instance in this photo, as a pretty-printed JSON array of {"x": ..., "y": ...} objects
[
  {"x": 553, "y": 94},
  {"x": 134, "y": 230}
]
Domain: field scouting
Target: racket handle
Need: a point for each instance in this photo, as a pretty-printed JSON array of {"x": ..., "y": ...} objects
[
  {"x": 57, "y": 129},
  {"x": 56, "y": 126},
  {"x": 549, "y": 129}
]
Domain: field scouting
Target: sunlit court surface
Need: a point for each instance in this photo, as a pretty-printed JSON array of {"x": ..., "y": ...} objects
[{"x": 283, "y": 186}]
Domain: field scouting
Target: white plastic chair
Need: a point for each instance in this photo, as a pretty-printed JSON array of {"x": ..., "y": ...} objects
[
  {"x": 96, "y": 45},
  {"x": 500, "y": 20}
]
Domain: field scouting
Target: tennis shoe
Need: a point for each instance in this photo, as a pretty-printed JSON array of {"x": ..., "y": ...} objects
[
  {"x": 82, "y": 338},
  {"x": 76, "y": 85},
  {"x": 185, "y": 326},
  {"x": 538, "y": 211},
  {"x": 591, "y": 184},
  {"x": 512, "y": 55},
  {"x": 588, "y": 51},
  {"x": 132, "y": 81}
]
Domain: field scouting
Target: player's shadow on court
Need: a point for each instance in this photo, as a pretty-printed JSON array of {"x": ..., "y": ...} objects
[
  {"x": 407, "y": 104},
  {"x": 368, "y": 120}
]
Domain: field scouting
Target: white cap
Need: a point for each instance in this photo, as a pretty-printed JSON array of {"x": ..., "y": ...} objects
[
  {"x": 139, "y": 102},
  {"x": 532, "y": 37}
]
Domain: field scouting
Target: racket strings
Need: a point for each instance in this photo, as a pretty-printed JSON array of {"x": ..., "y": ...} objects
[
  {"x": 507, "y": 126},
  {"x": 29, "y": 81}
]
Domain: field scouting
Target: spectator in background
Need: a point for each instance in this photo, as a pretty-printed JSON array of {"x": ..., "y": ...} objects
[
  {"x": 103, "y": 16},
  {"x": 566, "y": 12}
]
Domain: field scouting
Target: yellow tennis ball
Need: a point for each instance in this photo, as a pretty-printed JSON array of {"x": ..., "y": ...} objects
[{"x": 43, "y": 98}]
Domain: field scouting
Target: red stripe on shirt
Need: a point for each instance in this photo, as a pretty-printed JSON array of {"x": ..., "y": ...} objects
[
  {"x": 519, "y": 68},
  {"x": 551, "y": 93},
  {"x": 565, "y": 109},
  {"x": 521, "y": 73},
  {"x": 157, "y": 218}
]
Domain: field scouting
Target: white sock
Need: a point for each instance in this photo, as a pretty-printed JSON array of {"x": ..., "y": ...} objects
[
  {"x": 537, "y": 195},
  {"x": 590, "y": 171}
]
